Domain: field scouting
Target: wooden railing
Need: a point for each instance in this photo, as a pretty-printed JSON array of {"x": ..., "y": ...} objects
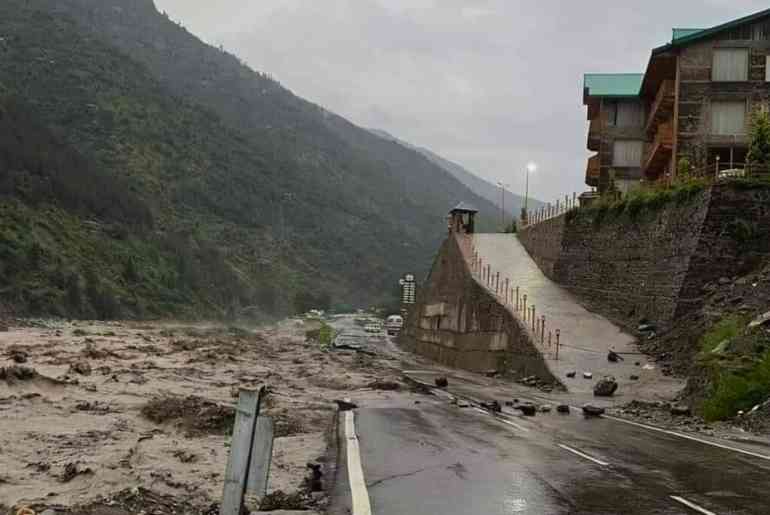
[
  {"x": 662, "y": 142},
  {"x": 593, "y": 170},
  {"x": 595, "y": 134},
  {"x": 662, "y": 106}
]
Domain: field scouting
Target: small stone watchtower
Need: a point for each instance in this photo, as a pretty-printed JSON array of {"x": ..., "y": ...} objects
[{"x": 461, "y": 219}]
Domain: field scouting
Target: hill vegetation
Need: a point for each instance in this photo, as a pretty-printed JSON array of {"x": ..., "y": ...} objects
[{"x": 158, "y": 175}]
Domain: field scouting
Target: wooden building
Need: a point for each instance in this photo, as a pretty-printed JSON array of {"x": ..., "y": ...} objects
[{"x": 693, "y": 102}]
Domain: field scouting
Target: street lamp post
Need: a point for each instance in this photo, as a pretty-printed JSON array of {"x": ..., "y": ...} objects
[{"x": 531, "y": 167}]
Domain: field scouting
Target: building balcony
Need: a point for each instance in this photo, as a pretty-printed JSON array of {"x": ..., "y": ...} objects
[
  {"x": 593, "y": 171},
  {"x": 662, "y": 108},
  {"x": 595, "y": 134},
  {"x": 658, "y": 154}
]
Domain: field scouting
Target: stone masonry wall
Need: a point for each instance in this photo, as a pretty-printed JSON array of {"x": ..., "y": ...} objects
[
  {"x": 655, "y": 265},
  {"x": 458, "y": 323}
]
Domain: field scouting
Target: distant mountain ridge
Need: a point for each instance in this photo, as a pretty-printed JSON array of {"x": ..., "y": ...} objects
[{"x": 481, "y": 187}]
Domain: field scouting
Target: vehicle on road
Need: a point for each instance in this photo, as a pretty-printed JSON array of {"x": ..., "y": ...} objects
[
  {"x": 393, "y": 324},
  {"x": 373, "y": 327}
]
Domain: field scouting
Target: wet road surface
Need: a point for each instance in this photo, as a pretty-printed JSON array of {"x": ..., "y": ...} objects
[{"x": 425, "y": 455}]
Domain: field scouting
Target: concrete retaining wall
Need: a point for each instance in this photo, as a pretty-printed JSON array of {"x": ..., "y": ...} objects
[
  {"x": 458, "y": 323},
  {"x": 656, "y": 264}
]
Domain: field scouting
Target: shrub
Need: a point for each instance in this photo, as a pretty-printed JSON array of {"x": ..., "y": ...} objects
[{"x": 738, "y": 390}]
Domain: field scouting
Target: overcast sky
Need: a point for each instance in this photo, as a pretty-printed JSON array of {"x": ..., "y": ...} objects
[{"x": 488, "y": 84}]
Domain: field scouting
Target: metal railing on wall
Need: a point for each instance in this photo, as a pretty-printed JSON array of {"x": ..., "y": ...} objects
[{"x": 550, "y": 210}]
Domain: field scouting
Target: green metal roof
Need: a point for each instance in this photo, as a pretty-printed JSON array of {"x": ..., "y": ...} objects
[
  {"x": 679, "y": 33},
  {"x": 612, "y": 84},
  {"x": 705, "y": 33}
]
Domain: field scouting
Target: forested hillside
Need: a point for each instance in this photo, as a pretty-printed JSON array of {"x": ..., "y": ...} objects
[{"x": 193, "y": 185}]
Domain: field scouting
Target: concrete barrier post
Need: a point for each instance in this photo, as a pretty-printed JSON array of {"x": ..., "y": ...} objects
[
  {"x": 506, "y": 290},
  {"x": 558, "y": 336},
  {"x": 517, "y": 300},
  {"x": 549, "y": 339},
  {"x": 532, "y": 319},
  {"x": 542, "y": 330},
  {"x": 524, "y": 306}
]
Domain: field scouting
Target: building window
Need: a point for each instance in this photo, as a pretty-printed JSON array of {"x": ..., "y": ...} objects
[
  {"x": 630, "y": 114},
  {"x": 627, "y": 153},
  {"x": 730, "y": 65},
  {"x": 611, "y": 112},
  {"x": 728, "y": 118}
]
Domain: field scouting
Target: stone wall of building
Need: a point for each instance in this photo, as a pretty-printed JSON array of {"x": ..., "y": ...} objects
[
  {"x": 459, "y": 323},
  {"x": 698, "y": 91},
  {"x": 655, "y": 265}
]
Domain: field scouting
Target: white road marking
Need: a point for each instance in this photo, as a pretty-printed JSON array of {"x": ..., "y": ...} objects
[
  {"x": 692, "y": 505},
  {"x": 693, "y": 438},
  {"x": 358, "y": 492},
  {"x": 584, "y": 455},
  {"x": 504, "y": 421}
]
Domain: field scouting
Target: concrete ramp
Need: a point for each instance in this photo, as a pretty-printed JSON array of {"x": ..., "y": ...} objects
[{"x": 586, "y": 337}]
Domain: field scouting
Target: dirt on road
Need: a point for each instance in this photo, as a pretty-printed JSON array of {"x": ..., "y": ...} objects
[{"x": 129, "y": 417}]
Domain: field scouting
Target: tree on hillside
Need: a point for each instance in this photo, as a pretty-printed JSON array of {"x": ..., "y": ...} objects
[{"x": 759, "y": 145}]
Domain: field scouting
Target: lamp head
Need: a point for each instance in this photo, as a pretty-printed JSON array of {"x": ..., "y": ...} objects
[{"x": 531, "y": 167}]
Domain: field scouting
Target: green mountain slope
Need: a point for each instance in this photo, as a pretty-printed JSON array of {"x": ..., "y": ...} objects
[{"x": 249, "y": 196}]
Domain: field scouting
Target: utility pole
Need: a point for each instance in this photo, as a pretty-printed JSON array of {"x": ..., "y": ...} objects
[{"x": 502, "y": 204}]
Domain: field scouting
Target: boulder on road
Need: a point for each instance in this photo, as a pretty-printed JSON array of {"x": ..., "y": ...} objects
[
  {"x": 492, "y": 406},
  {"x": 606, "y": 387},
  {"x": 527, "y": 409},
  {"x": 589, "y": 410},
  {"x": 442, "y": 382},
  {"x": 571, "y": 374},
  {"x": 562, "y": 408},
  {"x": 545, "y": 408}
]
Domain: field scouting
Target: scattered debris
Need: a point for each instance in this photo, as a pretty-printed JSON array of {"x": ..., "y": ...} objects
[
  {"x": 16, "y": 373},
  {"x": 194, "y": 414},
  {"x": 345, "y": 405},
  {"x": 606, "y": 387},
  {"x": 73, "y": 469},
  {"x": 81, "y": 367},
  {"x": 590, "y": 410},
  {"x": 279, "y": 500},
  {"x": 492, "y": 406},
  {"x": 614, "y": 357},
  {"x": 527, "y": 409},
  {"x": 18, "y": 355},
  {"x": 681, "y": 410},
  {"x": 315, "y": 481},
  {"x": 381, "y": 384}
]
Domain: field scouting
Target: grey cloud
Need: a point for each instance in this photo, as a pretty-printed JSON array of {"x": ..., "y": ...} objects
[{"x": 491, "y": 84}]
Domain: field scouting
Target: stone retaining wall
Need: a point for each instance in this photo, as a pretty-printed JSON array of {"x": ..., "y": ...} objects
[
  {"x": 655, "y": 264},
  {"x": 459, "y": 323}
]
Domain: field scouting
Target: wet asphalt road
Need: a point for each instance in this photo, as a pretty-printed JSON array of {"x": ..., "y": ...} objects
[{"x": 437, "y": 458}]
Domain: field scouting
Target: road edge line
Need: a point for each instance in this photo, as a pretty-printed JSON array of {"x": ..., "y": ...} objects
[
  {"x": 689, "y": 437},
  {"x": 359, "y": 494},
  {"x": 583, "y": 455},
  {"x": 692, "y": 505}
]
